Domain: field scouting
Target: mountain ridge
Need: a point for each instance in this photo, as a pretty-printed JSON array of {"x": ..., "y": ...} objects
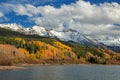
[{"x": 65, "y": 35}]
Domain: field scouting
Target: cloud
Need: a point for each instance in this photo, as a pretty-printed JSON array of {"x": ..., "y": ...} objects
[
  {"x": 87, "y": 18},
  {"x": 92, "y": 20},
  {"x": 79, "y": 13},
  {"x": 3, "y": 17},
  {"x": 19, "y": 9},
  {"x": 1, "y": 14}
]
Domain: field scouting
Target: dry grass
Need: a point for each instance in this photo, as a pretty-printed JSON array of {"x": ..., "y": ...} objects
[
  {"x": 9, "y": 53},
  {"x": 5, "y": 60}
]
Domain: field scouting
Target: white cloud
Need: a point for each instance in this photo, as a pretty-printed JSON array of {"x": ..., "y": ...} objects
[
  {"x": 87, "y": 18},
  {"x": 81, "y": 13},
  {"x": 1, "y": 14},
  {"x": 21, "y": 10},
  {"x": 3, "y": 17}
]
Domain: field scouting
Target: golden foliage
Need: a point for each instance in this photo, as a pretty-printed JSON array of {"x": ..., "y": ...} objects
[
  {"x": 20, "y": 39},
  {"x": 48, "y": 51},
  {"x": 24, "y": 51},
  {"x": 33, "y": 56},
  {"x": 62, "y": 46},
  {"x": 82, "y": 59}
]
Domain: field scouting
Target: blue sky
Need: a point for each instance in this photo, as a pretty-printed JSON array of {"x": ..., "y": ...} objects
[
  {"x": 23, "y": 20},
  {"x": 11, "y": 17}
]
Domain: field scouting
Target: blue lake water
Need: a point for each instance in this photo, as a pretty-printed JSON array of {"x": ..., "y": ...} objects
[{"x": 64, "y": 72}]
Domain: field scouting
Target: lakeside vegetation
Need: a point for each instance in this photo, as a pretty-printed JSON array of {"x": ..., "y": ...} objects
[{"x": 19, "y": 48}]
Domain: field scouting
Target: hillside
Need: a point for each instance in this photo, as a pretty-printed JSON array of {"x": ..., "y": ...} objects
[
  {"x": 35, "y": 49},
  {"x": 10, "y": 54}
]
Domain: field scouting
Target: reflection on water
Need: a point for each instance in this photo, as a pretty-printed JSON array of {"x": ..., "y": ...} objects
[{"x": 64, "y": 72}]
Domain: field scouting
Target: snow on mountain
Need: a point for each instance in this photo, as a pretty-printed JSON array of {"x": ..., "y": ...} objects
[
  {"x": 109, "y": 41},
  {"x": 66, "y": 35},
  {"x": 37, "y": 30},
  {"x": 14, "y": 27}
]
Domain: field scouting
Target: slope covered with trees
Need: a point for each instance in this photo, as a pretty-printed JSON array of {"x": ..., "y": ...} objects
[{"x": 42, "y": 49}]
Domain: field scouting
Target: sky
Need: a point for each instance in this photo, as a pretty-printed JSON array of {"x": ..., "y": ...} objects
[{"x": 90, "y": 17}]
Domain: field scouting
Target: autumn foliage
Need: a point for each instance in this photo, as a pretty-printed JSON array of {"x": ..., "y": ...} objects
[{"x": 51, "y": 49}]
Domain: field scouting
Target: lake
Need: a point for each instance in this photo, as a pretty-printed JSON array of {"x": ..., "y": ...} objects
[{"x": 64, "y": 72}]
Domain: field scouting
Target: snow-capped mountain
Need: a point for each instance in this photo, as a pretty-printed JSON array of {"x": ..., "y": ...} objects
[
  {"x": 65, "y": 35},
  {"x": 71, "y": 35},
  {"x": 14, "y": 27}
]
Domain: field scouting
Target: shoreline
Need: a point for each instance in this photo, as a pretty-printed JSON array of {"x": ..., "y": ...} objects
[
  {"x": 47, "y": 64},
  {"x": 3, "y": 68},
  {"x": 23, "y": 66}
]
